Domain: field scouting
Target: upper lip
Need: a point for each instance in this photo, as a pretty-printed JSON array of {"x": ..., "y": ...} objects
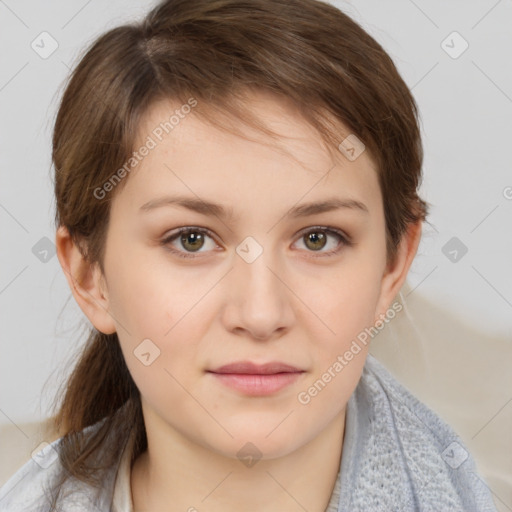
[{"x": 247, "y": 367}]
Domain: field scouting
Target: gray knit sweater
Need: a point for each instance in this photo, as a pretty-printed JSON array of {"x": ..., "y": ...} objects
[{"x": 397, "y": 456}]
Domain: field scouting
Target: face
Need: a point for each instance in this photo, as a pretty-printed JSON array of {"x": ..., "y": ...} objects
[{"x": 260, "y": 275}]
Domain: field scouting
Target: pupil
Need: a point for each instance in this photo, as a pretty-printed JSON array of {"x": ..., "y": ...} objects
[
  {"x": 192, "y": 238},
  {"x": 315, "y": 238}
]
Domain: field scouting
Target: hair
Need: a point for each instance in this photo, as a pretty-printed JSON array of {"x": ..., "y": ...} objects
[{"x": 304, "y": 52}]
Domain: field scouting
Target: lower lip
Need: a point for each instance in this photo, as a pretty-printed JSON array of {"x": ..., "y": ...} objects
[{"x": 257, "y": 385}]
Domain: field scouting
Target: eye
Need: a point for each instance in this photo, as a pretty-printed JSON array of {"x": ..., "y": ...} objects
[
  {"x": 315, "y": 239},
  {"x": 191, "y": 239}
]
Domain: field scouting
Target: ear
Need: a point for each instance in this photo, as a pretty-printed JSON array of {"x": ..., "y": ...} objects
[
  {"x": 86, "y": 281},
  {"x": 396, "y": 271}
]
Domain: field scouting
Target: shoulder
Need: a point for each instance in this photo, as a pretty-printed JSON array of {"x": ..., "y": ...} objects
[
  {"x": 33, "y": 486},
  {"x": 392, "y": 399},
  {"x": 30, "y": 487},
  {"x": 404, "y": 453}
]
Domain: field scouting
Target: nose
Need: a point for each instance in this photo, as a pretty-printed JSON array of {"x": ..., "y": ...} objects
[{"x": 258, "y": 303}]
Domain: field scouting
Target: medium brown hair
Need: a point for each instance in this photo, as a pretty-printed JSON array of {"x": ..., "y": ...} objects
[{"x": 305, "y": 52}]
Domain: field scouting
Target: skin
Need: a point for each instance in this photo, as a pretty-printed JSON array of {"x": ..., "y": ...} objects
[{"x": 291, "y": 304}]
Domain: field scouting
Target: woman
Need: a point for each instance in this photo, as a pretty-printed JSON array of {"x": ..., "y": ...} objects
[{"x": 237, "y": 210}]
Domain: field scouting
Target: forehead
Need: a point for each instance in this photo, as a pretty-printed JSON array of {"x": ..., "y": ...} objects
[{"x": 191, "y": 156}]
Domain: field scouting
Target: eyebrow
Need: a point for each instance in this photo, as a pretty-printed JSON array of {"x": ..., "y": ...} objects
[{"x": 205, "y": 207}]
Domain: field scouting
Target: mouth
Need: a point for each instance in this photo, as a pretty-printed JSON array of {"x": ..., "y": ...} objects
[{"x": 257, "y": 380}]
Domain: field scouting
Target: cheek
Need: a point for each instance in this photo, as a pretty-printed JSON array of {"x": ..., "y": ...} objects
[
  {"x": 339, "y": 342},
  {"x": 342, "y": 302},
  {"x": 150, "y": 305},
  {"x": 152, "y": 298}
]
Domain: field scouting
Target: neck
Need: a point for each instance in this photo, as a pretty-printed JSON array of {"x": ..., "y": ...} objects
[{"x": 193, "y": 478}]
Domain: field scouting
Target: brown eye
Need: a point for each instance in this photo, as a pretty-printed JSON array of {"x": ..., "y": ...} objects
[
  {"x": 315, "y": 240},
  {"x": 192, "y": 241},
  {"x": 325, "y": 241}
]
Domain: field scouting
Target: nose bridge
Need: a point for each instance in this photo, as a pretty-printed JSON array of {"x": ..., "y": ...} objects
[
  {"x": 253, "y": 266},
  {"x": 261, "y": 302}
]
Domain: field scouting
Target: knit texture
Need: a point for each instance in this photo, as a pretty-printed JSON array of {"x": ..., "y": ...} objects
[{"x": 398, "y": 455}]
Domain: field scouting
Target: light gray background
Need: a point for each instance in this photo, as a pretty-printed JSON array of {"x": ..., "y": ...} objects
[{"x": 466, "y": 110}]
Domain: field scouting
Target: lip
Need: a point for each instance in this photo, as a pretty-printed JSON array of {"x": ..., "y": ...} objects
[
  {"x": 250, "y": 368},
  {"x": 257, "y": 379}
]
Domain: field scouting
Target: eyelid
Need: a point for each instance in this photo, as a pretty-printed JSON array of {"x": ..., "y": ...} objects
[
  {"x": 185, "y": 229},
  {"x": 345, "y": 240},
  {"x": 328, "y": 229}
]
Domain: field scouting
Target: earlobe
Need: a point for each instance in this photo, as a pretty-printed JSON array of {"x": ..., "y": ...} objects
[
  {"x": 86, "y": 282},
  {"x": 396, "y": 273}
]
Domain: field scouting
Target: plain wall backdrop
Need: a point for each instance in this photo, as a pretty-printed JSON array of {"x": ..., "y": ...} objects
[{"x": 456, "y": 57}]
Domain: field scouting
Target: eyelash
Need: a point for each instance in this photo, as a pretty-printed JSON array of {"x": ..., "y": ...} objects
[{"x": 343, "y": 239}]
